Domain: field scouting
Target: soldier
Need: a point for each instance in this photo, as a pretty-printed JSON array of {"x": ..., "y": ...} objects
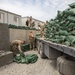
[
  {"x": 33, "y": 24},
  {"x": 16, "y": 46},
  {"x": 27, "y": 22},
  {"x": 30, "y": 21},
  {"x": 42, "y": 29},
  {"x": 31, "y": 40}
]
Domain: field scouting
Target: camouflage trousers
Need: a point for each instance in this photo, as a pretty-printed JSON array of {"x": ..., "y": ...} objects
[
  {"x": 32, "y": 44},
  {"x": 14, "y": 49}
]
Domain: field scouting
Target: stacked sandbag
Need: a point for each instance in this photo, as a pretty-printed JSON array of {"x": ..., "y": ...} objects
[
  {"x": 62, "y": 28},
  {"x": 21, "y": 58},
  {"x": 25, "y": 47}
]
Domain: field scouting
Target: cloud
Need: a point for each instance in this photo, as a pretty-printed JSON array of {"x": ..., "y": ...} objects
[{"x": 39, "y": 9}]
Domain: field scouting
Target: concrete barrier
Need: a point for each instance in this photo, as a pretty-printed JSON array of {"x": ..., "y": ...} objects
[
  {"x": 6, "y": 56},
  {"x": 65, "y": 66},
  {"x": 4, "y": 37}
]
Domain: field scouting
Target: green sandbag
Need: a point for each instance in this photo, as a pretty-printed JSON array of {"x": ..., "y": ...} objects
[
  {"x": 57, "y": 21},
  {"x": 61, "y": 32},
  {"x": 37, "y": 35},
  {"x": 62, "y": 26},
  {"x": 54, "y": 40},
  {"x": 25, "y": 47},
  {"x": 59, "y": 15},
  {"x": 30, "y": 58},
  {"x": 71, "y": 12},
  {"x": 73, "y": 32},
  {"x": 62, "y": 22},
  {"x": 72, "y": 5},
  {"x": 71, "y": 25},
  {"x": 71, "y": 18},
  {"x": 67, "y": 43},
  {"x": 17, "y": 59},
  {"x": 56, "y": 36},
  {"x": 62, "y": 38},
  {"x": 71, "y": 39},
  {"x": 66, "y": 12}
]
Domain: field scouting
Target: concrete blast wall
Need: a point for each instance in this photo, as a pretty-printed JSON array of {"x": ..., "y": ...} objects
[{"x": 4, "y": 37}]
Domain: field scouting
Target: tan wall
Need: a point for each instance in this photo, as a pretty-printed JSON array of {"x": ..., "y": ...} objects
[
  {"x": 17, "y": 34},
  {"x": 20, "y": 34}
]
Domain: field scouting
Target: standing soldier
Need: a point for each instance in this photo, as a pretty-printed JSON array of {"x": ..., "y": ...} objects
[
  {"x": 33, "y": 24},
  {"x": 30, "y": 21},
  {"x": 31, "y": 40},
  {"x": 42, "y": 29},
  {"x": 27, "y": 22}
]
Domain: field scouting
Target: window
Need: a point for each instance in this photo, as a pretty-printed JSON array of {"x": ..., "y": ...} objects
[{"x": 15, "y": 18}]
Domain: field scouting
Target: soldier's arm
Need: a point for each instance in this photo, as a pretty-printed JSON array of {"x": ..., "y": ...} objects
[{"x": 19, "y": 48}]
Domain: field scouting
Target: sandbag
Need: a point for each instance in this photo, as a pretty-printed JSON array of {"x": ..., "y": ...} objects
[
  {"x": 54, "y": 40},
  {"x": 71, "y": 18},
  {"x": 65, "y": 12},
  {"x": 25, "y": 47},
  {"x": 67, "y": 43},
  {"x": 71, "y": 39},
  {"x": 60, "y": 14},
  {"x": 72, "y": 5},
  {"x": 71, "y": 25},
  {"x": 71, "y": 12},
  {"x": 73, "y": 32},
  {"x": 61, "y": 28},
  {"x": 61, "y": 32},
  {"x": 30, "y": 58}
]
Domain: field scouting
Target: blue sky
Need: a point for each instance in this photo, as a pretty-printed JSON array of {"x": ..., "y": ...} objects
[{"x": 38, "y": 9}]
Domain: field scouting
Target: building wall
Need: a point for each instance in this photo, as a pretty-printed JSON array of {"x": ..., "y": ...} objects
[
  {"x": 24, "y": 21},
  {"x": 8, "y": 17},
  {"x": 12, "y": 21},
  {"x": 3, "y": 18}
]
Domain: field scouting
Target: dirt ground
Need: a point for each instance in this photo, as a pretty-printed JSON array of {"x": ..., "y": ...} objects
[{"x": 41, "y": 67}]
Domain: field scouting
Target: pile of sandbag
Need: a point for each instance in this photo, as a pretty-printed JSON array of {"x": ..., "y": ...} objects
[
  {"x": 62, "y": 28},
  {"x": 21, "y": 58}
]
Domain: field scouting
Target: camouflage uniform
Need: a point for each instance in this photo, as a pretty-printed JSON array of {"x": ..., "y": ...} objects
[
  {"x": 42, "y": 27},
  {"x": 32, "y": 41},
  {"x": 14, "y": 46}
]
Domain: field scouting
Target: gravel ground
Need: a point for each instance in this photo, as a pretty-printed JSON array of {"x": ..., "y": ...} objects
[{"x": 41, "y": 67}]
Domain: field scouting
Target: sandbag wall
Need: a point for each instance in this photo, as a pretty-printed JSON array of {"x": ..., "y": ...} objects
[{"x": 62, "y": 28}]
